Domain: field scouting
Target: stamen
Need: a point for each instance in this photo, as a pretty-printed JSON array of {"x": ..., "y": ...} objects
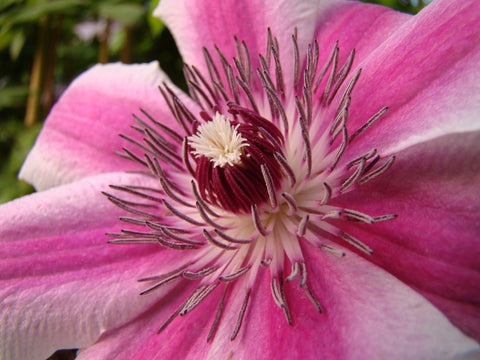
[
  {"x": 269, "y": 48},
  {"x": 133, "y": 241},
  {"x": 332, "y": 250},
  {"x": 241, "y": 314},
  {"x": 181, "y": 215},
  {"x": 302, "y": 226},
  {"x": 287, "y": 170},
  {"x": 335, "y": 214},
  {"x": 296, "y": 57},
  {"x": 272, "y": 194},
  {"x": 365, "y": 156},
  {"x": 369, "y": 123},
  {"x": 215, "y": 242},
  {"x": 378, "y": 171},
  {"x": 172, "y": 317},
  {"x": 185, "y": 155},
  {"x": 326, "y": 66},
  {"x": 232, "y": 239},
  {"x": 235, "y": 275},
  {"x": 276, "y": 104},
  {"x": 246, "y": 88},
  {"x": 227, "y": 68},
  {"x": 165, "y": 129},
  {"x": 172, "y": 235},
  {"x": 125, "y": 206},
  {"x": 352, "y": 179},
  {"x": 206, "y": 218},
  {"x": 197, "y": 89},
  {"x": 174, "y": 245},
  {"x": 189, "y": 275},
  {"x": 353, "y": 215},
  {"x": 212, "y": 69},
  {"x": 134, "y": 190},
  {"x": 257, "y": 221},
  {"x": 131, "y": 156},
  {"x": 349, "y": 89},
  {"x": 327, "y": 193},
  {"x": 199, "y": 199},
  {"x": 218, "y": 315},
  {"x": 198, "y": 298},
  {"x": 305, "y": 137},
  {"x": 292, "y": 205},
  {"x": 384, "y": 217},
  {"x": 341, "y": 148},
  {"x": 278, "y": 68},
  {"x": 204, "y": 82},
  {"x": 172, "y": 195},
  {"x": 303, "y": 275},
  {"x": 279, "y": 297},
  {"x": 331, "y": 78},
  {"x": 312, "y": 298},
  {"x": 163, "y": 282},
  {"x": 342, "y": 74},
  {"x": 355, "y": 242}
]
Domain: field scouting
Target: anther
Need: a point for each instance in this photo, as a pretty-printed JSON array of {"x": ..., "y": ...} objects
[
  {"x": 267, "y": 177},
  {"x": 241, "y": 314},
  {"x": 217, "y": 243},
  {"x": 257, "y": 221}
]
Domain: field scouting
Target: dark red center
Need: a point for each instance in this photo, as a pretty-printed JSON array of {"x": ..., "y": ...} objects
[{"x": 237, "y": 187}]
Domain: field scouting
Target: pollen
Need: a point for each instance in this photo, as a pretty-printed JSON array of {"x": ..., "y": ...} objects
[{"x": 219, "y": 141}]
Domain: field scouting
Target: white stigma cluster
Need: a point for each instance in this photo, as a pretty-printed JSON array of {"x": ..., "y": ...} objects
[{"x": 219, "y": 141}]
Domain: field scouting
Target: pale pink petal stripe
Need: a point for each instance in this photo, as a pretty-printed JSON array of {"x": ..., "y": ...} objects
[
  {"x": 61, "y": 284},
  {"x": 81, "y": 134}
]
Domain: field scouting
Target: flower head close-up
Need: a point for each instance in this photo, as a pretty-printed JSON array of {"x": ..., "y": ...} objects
[{"x": 313, "y": 195}]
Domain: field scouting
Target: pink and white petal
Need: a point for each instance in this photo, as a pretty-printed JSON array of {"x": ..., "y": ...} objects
[
  {"x": 433, "y": 245},
  {"x": 81, "y": 134},
  {"x": 201, "y": 24},
  {"x": 355, "y": 25},
  {"x": 368, "y": 314},
  {"x": 427, "y": 73},
  {"x": 61, "y": 284}
]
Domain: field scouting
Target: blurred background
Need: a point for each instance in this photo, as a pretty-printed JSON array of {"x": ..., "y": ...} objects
[{"x": 45, "y": 44}]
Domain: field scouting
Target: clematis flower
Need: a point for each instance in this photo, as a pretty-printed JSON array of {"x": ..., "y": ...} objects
[{"x": 314, "y": 196}]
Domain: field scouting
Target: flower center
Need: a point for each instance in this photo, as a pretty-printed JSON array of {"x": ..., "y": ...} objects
[
  {"x": 236, "y": 164},
  {"x": 219, "y": 141}
]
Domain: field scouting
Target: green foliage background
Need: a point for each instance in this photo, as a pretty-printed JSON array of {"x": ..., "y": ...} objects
[{"x": 48, "y": 30}]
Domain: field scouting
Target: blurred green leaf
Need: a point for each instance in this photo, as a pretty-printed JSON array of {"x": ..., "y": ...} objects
[
  {"x": 31, "y": 13},
  {"x": 24, "y": 140},
  {"x": 13, "y": 96},
  {"x": 17, "y": 43},
  {"x": 126, "y": 13},
  {"x": 6, "y": 38},
  {"x": 4, "y": 4},
  {"x": 12, "y": 188},
  {"x": 155, "y": 24}
]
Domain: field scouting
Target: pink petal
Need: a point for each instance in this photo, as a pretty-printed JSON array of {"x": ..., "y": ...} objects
[
  {"x": 368, "y": 314},
  {"x": 433, "y": 244},
  {"x": 199, "y": 24},
  {"x": 204, "y": 23},
  {"x": 81, "y": 134},
  {"x": 427, "y": 73},
  {"x": 61, "y": 284}
]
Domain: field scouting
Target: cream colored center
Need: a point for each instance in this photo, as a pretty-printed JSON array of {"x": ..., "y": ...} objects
[{"x": 219, "y": 141}]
